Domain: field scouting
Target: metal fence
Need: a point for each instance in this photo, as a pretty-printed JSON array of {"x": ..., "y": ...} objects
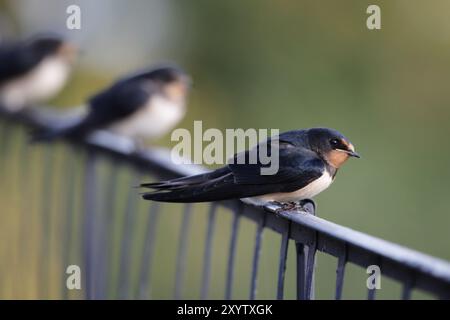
[{"x": 90, "y": 201}]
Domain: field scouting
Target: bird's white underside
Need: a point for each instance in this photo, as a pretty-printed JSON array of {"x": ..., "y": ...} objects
[
  {"x": 40, "y": 84},
  {"x": 308, "y": 192},
  {"x": 158, "y": 117}
]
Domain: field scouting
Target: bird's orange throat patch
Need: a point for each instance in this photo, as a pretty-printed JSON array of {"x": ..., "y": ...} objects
[
  {"x": 68, "y": 52},
  {"x": 176, "y": 91},
  {"x": 336, "y": 158}
]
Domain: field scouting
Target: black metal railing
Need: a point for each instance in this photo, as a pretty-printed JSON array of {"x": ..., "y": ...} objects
[{"x": 92, "y": 226}]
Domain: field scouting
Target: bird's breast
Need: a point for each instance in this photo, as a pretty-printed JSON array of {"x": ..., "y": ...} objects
[{"x": 153, "y": 120}]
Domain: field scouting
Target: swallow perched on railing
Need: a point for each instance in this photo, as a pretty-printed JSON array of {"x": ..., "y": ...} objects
[
  {"x": 143, "y": 105},
  {"x": 308, "y": 161},
  {"x": 34, "y": 70}
]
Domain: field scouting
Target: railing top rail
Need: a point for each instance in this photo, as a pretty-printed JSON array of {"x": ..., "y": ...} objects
[{"x": 433, "y": 266}]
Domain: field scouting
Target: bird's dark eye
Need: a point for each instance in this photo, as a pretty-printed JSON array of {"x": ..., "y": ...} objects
[{"x": 334, "y": 142}]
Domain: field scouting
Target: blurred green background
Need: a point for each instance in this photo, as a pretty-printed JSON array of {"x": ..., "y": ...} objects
[{"x": 261, "y": 64}]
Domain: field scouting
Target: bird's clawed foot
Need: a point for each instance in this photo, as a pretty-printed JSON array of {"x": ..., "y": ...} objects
[{"x": 307, "y": 205}]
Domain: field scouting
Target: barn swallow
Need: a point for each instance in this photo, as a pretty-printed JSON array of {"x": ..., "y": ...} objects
[
  {"x": 143, "y": 105},
  {"x": 34, "y": 70},
  {"x": 308, "y": 162}
]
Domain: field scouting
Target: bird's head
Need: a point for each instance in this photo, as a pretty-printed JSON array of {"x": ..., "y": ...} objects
[
  {"x": 331, "y": 146},
  {"x": 52, "y": 45},
  {"x": 173, "y": 81}
]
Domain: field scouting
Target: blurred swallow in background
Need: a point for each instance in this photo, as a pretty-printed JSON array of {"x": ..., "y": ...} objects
[
  {"x": 34, "y": 70},
  {"x": 308, "y": 162},
  {"x": 144, "y": 105}
]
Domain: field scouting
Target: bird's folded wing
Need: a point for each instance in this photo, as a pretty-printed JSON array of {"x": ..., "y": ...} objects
[
  {"x": 118, "y": 102},
  {"x": 14, "y": 62},
  {"x": 297, "y": 167}
]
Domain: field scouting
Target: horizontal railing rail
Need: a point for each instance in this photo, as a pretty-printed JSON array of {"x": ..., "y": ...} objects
[{"x": 412, "y": 269}]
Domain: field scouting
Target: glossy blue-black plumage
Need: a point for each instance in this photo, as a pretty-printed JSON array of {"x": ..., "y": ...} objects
[{"x": 299, "y": 165}]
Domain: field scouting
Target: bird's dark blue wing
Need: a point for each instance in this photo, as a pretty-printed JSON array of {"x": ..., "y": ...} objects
[
  {"x": 119, "y": 101},
  {"x": 15, "y": 61},
  {"x": 297, "y": 167}
]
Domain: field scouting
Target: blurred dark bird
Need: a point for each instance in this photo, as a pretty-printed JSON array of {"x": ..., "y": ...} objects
[
  {"x": 34, "y": 70},
  {"x": 308, "y": 162},
  {"x": 143, "y": 105}
]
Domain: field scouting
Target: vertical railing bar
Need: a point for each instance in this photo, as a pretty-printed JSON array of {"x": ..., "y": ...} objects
[
  {"x": 408, "y": 286},
  {"x": 90, "y": 188},
  {"x": 310, "y": 264},
  {"x": 69, "y": 212},
  {"x": 25, "y": 227},
  {"x": 182, "y": 251},
  {"x": 340, "y": 272},
  {"x": 301, "y": 270},
  {"x": 16, "y": 153},
  {"x": 109, "y": 218},
  {"x": 310, "y": 257},
  {"x": 208, "y": 248},
  {"x": 371, "y": 294},
  {"x": 406, "y": 290},
  {"x": 104, "y": 223},
  {"x": 125, "y": 250},
  {"x": 100, "y": 244},
  {"x": 237, "y": 212},
  {"x": 147, "y": 256},
  {"x": 256, "y": 257},
  {"x": 283, "y": 259},
  {"x": 45, "y": 216},
  {"x": 5, "y": 144}
]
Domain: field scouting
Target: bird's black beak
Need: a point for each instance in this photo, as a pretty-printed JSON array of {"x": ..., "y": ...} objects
[{"x": 353, "y": 154}]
